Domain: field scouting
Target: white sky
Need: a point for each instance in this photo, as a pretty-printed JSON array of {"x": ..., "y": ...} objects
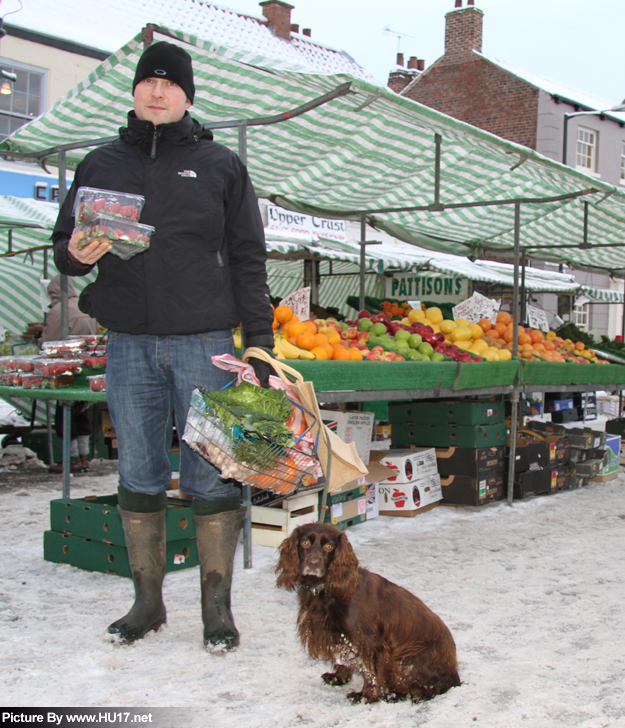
[{"x": 572, "y": 41}]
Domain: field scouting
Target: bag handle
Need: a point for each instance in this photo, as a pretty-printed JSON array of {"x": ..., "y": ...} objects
[{"x": 281, "y": 369}]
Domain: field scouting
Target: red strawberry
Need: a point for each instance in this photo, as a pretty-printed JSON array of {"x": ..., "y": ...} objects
[
  {"x": 98, "y": 205},
  {"x": 113, "y": 208},
  {"x": 118, "y": 233}
]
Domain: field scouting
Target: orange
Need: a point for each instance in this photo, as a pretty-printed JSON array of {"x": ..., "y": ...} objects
[
  {"x": 528, "y": 347},
  {"x": 537, "y": 336},
  {"x": 549, "y": 345},
  {"x": 341, "y": 354},
  {"x": 580, "y": 346},
  {"x": 500, "y": 328},
  {"x": 306, "y": 340},
  {"x": 355, "y": 354},
  {"x": 493, "y": 333},
  {"x": 319, "y": 352},
  {"x": 508, "y": 336},
  {"x": 329, "y": 350},
  {"x": 311, "y": 326},
  {"x": 503, "y": 317},
  {"x": 485, "y": 324},
  {"x": 333, "y": 337},
  {"x": 321, "y": 339},
  {"x": 295, "y": 329},
  {"x": 283, "y": 314},
  {"x": 274, "y": 324},
  {"x": 539, "y": 347},
  {"x": 525, "y": 339}
]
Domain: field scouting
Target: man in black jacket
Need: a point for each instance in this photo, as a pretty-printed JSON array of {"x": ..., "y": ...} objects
[{"x": 168, "y": 310}]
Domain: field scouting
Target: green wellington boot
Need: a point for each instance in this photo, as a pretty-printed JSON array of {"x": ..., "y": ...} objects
[
  {"x": 217, "y": 536},
  {"x": 146, "y": 544}
]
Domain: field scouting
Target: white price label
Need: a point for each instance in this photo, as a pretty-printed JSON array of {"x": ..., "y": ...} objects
[
  {"x": 299, "y": 302},
  {"x": 537, "y": 318},
  {"x": 476, "y": 308}
]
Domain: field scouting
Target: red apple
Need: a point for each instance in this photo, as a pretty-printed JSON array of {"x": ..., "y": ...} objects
[
  {"x": 379, "y": 350},
  {"x": 363, "y": 336},
  {"x": 364, "y": 314},
  {"x": 350, "y": 333}
]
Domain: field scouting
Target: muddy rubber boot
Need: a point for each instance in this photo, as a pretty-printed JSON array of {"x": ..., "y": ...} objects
[
  {"x": 217, "y": 536},
  {"x": 146, "y": 544}
]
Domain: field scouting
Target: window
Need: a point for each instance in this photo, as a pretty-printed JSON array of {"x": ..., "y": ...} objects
[
  {"x": 26, "y": 100},
  {"x": 586, "y": 149},
  {"x": 623, "y": 163},
  {"x": 580, "y": 317}
]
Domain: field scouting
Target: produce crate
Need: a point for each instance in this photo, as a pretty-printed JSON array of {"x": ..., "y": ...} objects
[
  {"x": 445, "y": 435},
  {"x": 449, "y": 412},
  {"x": 615, "y": 426},
  {"x": 567, "y": 415},
  {"x": 97, "y": 518},
  {"x": 272, "y": 524},
  {"x": 85, "y": 553},
  {"x": 465, "y": 490},
  {"x": 538, "y": 482},
  {"x": 581, "y": 437},
  {"x": 472, "y": 462}
]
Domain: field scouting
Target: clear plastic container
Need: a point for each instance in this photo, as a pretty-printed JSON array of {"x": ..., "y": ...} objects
[
  {"x": 56, "y": 367},
  {"x": 16, "y": 363},
  {"x": 128, "y": 238},
  {"x": 94, "y": 359},
  {"x": 97, "y": 382},
  {"x": 66, "y": 349},
  {"x": 12, "y": 379},
  {"x": 91, "y": 202},
  {"x": 46, "y": 381},
  {"x": 89, "y": 339}
]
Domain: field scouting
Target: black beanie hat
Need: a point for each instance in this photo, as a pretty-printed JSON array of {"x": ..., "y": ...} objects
[{"x": 166, "y": 60}]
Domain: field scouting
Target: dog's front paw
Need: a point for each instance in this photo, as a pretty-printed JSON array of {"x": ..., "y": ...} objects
[
  {"x": 331, "y": 678},
  {"x": 341, "y": 675},
  {"x": 355, "y": 697}
]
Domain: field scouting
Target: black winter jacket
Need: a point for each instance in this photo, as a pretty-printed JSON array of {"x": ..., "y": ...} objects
[{"x": 205, "y": 268}]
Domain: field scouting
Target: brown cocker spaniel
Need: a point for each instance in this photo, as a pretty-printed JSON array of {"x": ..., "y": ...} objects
[{"x": 361, "y": 621}]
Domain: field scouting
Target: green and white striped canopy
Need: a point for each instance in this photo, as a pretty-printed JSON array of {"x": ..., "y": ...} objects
[{"x": 367, "y": 151}]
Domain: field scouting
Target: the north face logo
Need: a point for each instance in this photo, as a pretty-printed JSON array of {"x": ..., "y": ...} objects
[{"x": 187, "y": 173}]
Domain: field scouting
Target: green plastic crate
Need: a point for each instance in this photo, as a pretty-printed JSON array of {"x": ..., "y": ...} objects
[
  {"x": 447, "y": 412},
  {"x": 446, "y": 435},
  {"x": 85, "y": 553},
  {"x": 98, "y": 519}
]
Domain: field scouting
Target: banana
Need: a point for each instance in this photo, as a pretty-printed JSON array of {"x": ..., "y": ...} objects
[
  {"x": 277, "y": 348},
  {"x": 291, "y": 351},
  {"x": 236, "y": 335}
]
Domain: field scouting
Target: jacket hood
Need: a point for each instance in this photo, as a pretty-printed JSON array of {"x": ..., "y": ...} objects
[{"x": 54, "y": 290}]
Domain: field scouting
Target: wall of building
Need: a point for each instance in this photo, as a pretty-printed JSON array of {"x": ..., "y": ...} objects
[{"x": 65, "y": 69}]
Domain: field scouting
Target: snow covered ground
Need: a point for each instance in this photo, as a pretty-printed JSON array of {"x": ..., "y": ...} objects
[{"x": 534, "y": 595}]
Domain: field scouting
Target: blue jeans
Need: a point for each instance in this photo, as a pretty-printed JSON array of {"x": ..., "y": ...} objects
[{"x": 149, "y": 380}]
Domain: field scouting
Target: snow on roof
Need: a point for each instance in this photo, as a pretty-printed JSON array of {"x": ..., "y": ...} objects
[
  {"x": 108, "y": 26},
  {"x": 555, "y": 88}
]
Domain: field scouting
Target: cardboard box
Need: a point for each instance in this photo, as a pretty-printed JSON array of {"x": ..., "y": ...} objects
[
  {"x": 557, "y": 405},
  {"x": 615, "y": 426},
  {"x": 373, "y": 507},
  {"x": 529, "y": 455},
  {"x": 613, "y": 446},
  {"x": 397, "y": 499},
  {"x": 466, "y": 490},
  {"x": 579, "y": 456},
  {"x": 472, "y": 462},
  {"x": 447, "y": 412},
  {"x": 604, "y": 478},
  {"x": 559, "y": 449},
  {"x": 567, "y": 415},
  {"x": 356, "y": 427},
  {"x": 106, "y": 424},
  {"x": 408, "y": 465},
  {"x": 589, "y": 468},
  {"x": 535, "y": 482},
  {"x": 472, "y": 436},
  {"x": 582, "y": 438},
  {"x": 348, "y": 513}
]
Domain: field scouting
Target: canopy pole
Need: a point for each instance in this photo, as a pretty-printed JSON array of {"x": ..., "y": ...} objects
[
  {"x": 363, "y": 262},
  {"x": 438, "y": 140},
  {"x": 514, "y": 397},
  {"x": 10, "y": 250},
  {"x": 243, "y": 142},
  {"x": 523, "y": 292}
]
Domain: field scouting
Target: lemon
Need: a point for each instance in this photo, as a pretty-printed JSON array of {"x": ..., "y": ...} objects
[
  {"x": 462, "y": 322},
  {"x": 476, "y": 331},
  {"x": 415, "y": 315},
  {"x": 447, "y": 326},
  {"x": 463, "y": 344},
  {"x": 434, "y": 314},
  {"x": 504, "y": 355},
  {"x": 491, "y": 355},
  {"x": 461, "y": 333},
  {"x": 479, "y": 345}
]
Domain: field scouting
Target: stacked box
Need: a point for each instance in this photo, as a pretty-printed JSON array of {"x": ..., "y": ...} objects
[
  {"x": 346, "y": 506},
  {"x": 542, "y": 461},
  {"x": 471, "y": 476},
  {"x": 413, "y": 484},
  {"x": 356, "y": 427},
  {"x": 271, "y": 524},
  {"x": 88, "y": 533},
  {"x": 566, "y": 415}
]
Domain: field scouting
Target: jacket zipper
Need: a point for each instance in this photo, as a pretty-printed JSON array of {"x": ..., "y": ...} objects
[
  {"x": 220, "y": 260},
  {"x": 153, "y": 152}
]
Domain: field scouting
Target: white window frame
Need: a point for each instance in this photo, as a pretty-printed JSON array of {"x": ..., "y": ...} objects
[
  {"x": 589, "y": 138},
  {"x": 622, "y": 179},
  {"x": 581, "y": 316},
  {"x": 10, "y": 64}
]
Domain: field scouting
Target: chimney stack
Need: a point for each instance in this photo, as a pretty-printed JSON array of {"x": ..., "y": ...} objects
[
  {"x": 294, "y": 28},
  {"x": 306, "y": 32},
  {"x": 278, "y": 16},
  {"x": 421, "y": 64},
  {"x": 400, "y": 59},
  {"x": 412, "y": 62},
  {"x": 463, "y": 30}
]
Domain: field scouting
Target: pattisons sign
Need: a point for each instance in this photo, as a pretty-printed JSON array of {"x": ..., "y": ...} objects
[
  {"x": 296, "y": 222},
  {"x": 426, "y": 286}
]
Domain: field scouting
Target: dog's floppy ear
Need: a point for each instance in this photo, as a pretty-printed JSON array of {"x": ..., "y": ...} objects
[
  {"x": 287, "y": 568},
  {"x": 342, "y": 577}
]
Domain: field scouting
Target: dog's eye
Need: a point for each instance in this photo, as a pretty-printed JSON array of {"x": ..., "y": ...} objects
[
  {"x": 328, "y": 547},
  {"x": 305, "y": 543}
]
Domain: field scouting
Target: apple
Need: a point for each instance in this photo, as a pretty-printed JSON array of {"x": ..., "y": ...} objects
[
  {"x": 437, "y": 356},
  {"x": 363, "y": 336},
  {"x": 364, "y": 314},
  {"x": 399, "y": 357},
  {"x": 378, "y": 329},
  {"x": 401, "y": 335},
  {"x": 373, "y": 357},
  {"x": 349, "y": 333},
  {"x": 333, "y": 325},
  {"x": 379, "y": 350},
  {"x": 414, "y": 340},
  {"x": 377, "y": 318},
  {"x": 425, "y": 349},
  {"x": 364, "y": 324}
]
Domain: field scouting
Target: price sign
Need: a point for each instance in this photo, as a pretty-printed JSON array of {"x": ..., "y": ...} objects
[
  {"x": 299, "y": 301},
  {"x": 537, "y": 318},
  {"x": 476, "y": 308}
]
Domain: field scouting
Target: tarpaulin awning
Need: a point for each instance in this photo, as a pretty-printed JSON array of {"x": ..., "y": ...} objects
[{"x": 367, "y": 150}]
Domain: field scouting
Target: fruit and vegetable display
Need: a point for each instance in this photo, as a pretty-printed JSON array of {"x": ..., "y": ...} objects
[
  {"x": 16, "y": 363},
  {"x": 55, "y": 367},
  {"x": 50, "y": 381},
  {"x": 91, "y": 202},
  {"x": 97, "y": 382},
  {"x": 66, "y": 349},
  {"x": 94, "y": 358}
]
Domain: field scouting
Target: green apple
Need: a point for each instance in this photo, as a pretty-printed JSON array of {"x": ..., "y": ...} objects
[
  {"x": 414, "y": 355},
  {"x": 425, "y": 349},
  {"x": 402, "y": 345},
  {"x": 378, "y": 329},
  {"x": 365, "y": 324},
  {"x": 425, "y": 357},
  {"x": 436, "y": 356},
  {"x": 415, "y": 340},
  {"x": 402, "y": 335}
]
